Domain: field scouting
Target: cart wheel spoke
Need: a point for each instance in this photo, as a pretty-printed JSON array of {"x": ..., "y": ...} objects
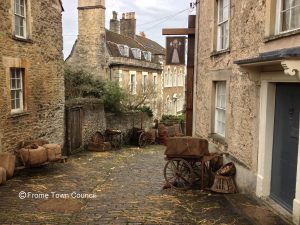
[{"x": 179, "y": 174}]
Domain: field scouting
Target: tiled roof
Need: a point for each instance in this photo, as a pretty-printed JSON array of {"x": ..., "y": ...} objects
[
  {"x": 150, "y": 45},
  {"x": 144, "y": 44}
]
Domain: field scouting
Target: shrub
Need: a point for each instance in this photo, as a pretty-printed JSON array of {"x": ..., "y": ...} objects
[
  {"x": 113, "y": 97},
  {"x": 147, "y": 110},
  {"x": 167, "y": 118}
]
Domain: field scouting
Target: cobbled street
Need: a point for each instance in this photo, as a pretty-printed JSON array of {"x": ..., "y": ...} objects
[{"x": 128, "y": 184}]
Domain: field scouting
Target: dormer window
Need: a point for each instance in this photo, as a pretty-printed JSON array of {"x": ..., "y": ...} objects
[
  {"x": 137, "y": 53},
  {"x": 124, "y": 50},
  {"x": 147, "y": 56}
]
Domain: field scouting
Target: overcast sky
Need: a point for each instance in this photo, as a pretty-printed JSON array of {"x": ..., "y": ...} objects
[{"x": 151, "y": 15}]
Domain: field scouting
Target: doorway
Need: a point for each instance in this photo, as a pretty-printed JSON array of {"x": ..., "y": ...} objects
[{"x": 285, "y": 144}]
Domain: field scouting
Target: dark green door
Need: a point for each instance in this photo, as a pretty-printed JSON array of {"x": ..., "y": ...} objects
[{"x": 285, "y": 144}]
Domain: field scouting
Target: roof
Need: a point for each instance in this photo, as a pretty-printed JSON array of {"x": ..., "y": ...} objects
[
  {"x": 286, "y": 53},
  {"x": 114, "y": 39},
  {"x": 150, "y": 45}
]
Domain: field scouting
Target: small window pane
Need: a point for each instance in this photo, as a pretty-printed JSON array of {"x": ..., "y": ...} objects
[
  {"x": 295, "y": 2},
  {"x": 285, "y": 20},
  {"x": 295, "y": 20},
  {"x": 285, "y": 4}
]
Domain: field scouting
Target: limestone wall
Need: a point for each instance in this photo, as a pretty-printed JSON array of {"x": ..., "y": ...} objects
[
  {"x": 92, "y": 119},
  {"x": 247, "y": 39},
  {"x": 41, "y": 57}
]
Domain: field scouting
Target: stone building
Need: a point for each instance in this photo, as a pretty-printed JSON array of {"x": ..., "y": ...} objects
[
  {"x": 247, "y": 90},
  {"x": 31, "y": 72},
  {"x": 135, "y": 61},
  {"x": 174, "y": 90},
  {"x": 117, "y": 54}
]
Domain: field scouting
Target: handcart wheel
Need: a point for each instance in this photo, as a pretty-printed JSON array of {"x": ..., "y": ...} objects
[
  {"x": 179, "y": 174},
  {"x": 142, "y": 140}
]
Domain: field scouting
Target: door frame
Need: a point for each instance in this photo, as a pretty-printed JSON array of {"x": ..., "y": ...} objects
[{"x": 266, "y": 133}]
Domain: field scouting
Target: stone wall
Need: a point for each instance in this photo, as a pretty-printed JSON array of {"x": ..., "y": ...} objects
[
  {"x": 92, "y": 119},
  {"x": 247, "y": 39},
  {"x": 127, "y": 121},
  {"x": 41, "y": 57}
]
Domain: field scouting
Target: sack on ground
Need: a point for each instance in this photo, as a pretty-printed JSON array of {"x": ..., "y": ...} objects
[
  {"x": 33, "y": 157},
  {"x": 8, "y": 161},
  {"x": 2, "y": 175},
  {"x": 53, "y": 152}
]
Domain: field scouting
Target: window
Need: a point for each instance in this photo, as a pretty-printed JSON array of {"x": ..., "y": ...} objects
[
  {"x": 220, "y": 108},
  {"x": 147, "y": 56},
  {"x": 223, "y": 25},
  {"x": 166, "y": 80},
  {"x": 155, "y": 81},
  {"x": 119, "y": 77},
  {"x": 137, "y": 53},
  {"x": 16, "y": 89},
  {"x": 289, "y": 15},
  {"x": 124, "y": 50},
  {"x": 145, "y": 81},
  {"x": 20, "y": 18},
  {"x": 132, "y": 84}
]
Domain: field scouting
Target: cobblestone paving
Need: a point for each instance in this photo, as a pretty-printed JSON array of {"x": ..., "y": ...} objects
[{"x": 128, "y": 184}]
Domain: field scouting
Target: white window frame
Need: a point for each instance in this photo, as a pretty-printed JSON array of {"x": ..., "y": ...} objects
[
  {"x": 17, "y": 91},
  {"x": 132, "y": 82},
  {"x": 147, "y": 56},
  {"x": 120, "y": 77},
  {"x": 155, "y": 83},
  {"x": 124, "y": 50},
  {"x": 137, "y": 53},
  {"x": 21, "y": 17},
  {"x": 145, "y": 81},
  {"x": 220, "y": 109},
  {"x": 279, "y": 21},
  {"x": 221, "y": 24},
  {"x": 166, "y": 80}
]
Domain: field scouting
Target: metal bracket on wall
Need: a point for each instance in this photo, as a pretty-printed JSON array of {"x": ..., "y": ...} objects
[{"x": 291, "y": 67}]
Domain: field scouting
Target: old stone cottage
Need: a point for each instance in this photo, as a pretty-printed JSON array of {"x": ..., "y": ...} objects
[
  {"x": 31, "y": 72},
  {"x": 117, "y": 54},
  {"x": 247, "y": 91}
]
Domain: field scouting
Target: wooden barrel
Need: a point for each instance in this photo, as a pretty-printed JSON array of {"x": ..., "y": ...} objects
[{"x": 162, "y": 134}]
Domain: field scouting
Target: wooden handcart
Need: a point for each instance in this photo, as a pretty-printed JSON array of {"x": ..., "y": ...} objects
[{"x": 188, "y": 161}]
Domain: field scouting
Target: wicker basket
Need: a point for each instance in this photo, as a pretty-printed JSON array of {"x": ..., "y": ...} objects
[{"x": 224, "y": 184}]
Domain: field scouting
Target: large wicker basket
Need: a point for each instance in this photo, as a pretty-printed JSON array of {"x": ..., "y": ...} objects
[{"x": 223, "y": 184}]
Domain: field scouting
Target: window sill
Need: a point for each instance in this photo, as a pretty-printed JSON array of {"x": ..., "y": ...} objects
[
  {"x": 19, "y": 114},
  {"x": 217, "y": 53},
  {"x": 218, "y": 139},
  {"x": 26, "y": 40},
  {"x": 281, "y": 35}
]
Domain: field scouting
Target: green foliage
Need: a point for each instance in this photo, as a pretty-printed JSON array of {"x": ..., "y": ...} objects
[
  {"x": 113, "y": 97},
  {"x": 167, "y": 118},
  {"x": 147, "y": 110},
  {"x": 79, "y": 84}
]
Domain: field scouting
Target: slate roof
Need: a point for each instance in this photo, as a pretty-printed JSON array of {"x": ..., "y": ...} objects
[
  {"x": 144, "y": 44},
  {"x": 150, "y": 45}
]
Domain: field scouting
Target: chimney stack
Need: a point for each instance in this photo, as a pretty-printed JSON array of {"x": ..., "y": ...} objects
[
  {"x": 128, "y": 24},
  {"x": 142, "y": 34},
  {"x": 114, "y": 23}
]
